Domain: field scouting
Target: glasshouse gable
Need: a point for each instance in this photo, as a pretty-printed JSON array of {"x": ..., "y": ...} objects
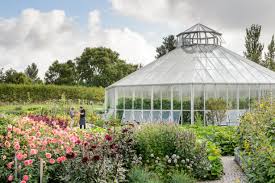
[{"x": 199, "y": 81}]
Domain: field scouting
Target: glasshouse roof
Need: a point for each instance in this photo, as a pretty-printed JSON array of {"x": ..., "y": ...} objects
[{"x": 199, "y": 59}]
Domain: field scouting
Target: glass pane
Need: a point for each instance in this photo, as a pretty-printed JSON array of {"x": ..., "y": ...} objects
[
  {"x": 138, "y": 98},
  {"x": 128, "y": 97},
  {"x": 177, "y": 98},
  {"x": 198, "y": 97},
  {"x": 165, "y": 116},
  {"x": 166, "y": 98},
  {"x": 244, "y": 97},
  {"x": 232, "y": 96},
  {"x": 156, "y": 102},
  {"x": 186, "y": 117},
  {"x": 146, "y": 97},
  {"x": 186, "y": 92}
]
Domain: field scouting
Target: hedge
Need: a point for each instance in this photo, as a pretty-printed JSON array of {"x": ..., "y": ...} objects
[{"x": 12, "y": 93}]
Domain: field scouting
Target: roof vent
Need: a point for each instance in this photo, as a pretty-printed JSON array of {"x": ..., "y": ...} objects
[{"x": 199, "y": 35}]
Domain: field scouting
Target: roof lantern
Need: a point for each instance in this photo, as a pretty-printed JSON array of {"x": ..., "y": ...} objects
[{"x": 199, "y": 34}]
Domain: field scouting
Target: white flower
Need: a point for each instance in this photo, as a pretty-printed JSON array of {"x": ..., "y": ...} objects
[
  {"x": 175, "y": 161},
  {"x": 169, "y": 161},
  {"x": 152, "y": 155},
  {"x": 167, "y": 157}
]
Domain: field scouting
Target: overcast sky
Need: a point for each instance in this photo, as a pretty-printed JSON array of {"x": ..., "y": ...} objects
[{"x": 43, "y": 31}]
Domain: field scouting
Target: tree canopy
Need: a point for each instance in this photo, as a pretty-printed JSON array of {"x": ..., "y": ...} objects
[
  {"x": 14, "y": 77},
  {"x": 61, "y": 73},
  {"x": 101, "y": 67},
  {"x": 252, "y": 43},
  {"x": 168, "y": 44},
  {"x": 269, "y": 61}
]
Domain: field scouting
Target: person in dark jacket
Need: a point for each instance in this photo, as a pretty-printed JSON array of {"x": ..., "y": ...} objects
[{"x": 82, "y": 121}]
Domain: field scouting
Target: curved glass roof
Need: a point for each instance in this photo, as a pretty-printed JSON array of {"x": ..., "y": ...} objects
[{"x": 199, "y": 64}]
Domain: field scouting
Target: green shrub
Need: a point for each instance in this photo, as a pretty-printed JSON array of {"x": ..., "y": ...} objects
[
  {"x": 224, "y": 137},
  {"x": 165, "y": 148},
  {"x": 10, "y": 93},
  {"x": 257, "y": 143}
]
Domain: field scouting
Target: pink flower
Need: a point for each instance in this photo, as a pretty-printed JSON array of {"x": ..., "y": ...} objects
[
  {"x": 25, "y": 177},
  {"x": 38, "y": 134},
  {"x": 52, "y": 161},
  {"x": 61, "y": 159},
  {"x": 48, "y": 155},
  {"x": 17, "y": 146},
  {"x": 23, "y": 181},
  {"x": 28, "y": 162},
  {"x": 9, "y": 165},
  {"x": 68, "y": 150},
  {"x": 19, "y": 156},
  {"x": 10, "y": 178},
  {"x": 33, "y": 151},
  {"x": 25, "y": 156}
]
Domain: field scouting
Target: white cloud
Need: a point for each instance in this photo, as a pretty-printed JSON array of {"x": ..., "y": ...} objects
[
  {"x": 131, "y": 45},
  {"x": 43, "y": 37},
  {"x": 228, "y": 17}
]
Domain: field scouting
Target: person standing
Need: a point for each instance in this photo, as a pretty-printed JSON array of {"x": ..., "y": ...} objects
[
  {"x": 82, "y": 121},
  {"x": 72, "y": 115}
]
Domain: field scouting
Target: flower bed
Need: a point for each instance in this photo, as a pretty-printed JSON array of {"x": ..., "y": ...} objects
[
  {"x": 166, "y": 149},
  {"x": 64, "y": 152}
]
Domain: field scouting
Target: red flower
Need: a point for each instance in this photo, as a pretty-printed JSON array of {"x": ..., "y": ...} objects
[
  {"x": 108, "y": 138},
  {"x": 85, "y": 159},
  {"x": 96, "y": 158}
]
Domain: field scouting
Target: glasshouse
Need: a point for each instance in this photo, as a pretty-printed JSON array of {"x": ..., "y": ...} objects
[{"x": 199, "y": 81}]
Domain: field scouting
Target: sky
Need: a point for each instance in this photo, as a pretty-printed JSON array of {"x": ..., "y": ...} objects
[{"x": 44, "y": 31}]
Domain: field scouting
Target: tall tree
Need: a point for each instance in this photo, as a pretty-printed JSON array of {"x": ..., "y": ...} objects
[
  {"x": 168, "y": 44},
  {"x": 61, "y": 73},
  {"x": 101, "y": 67},
  {"x": 252, "y": 44},
  {"x": 269, "y": 61},
  {"x": 14, "y": 77},
  {"x": 32, "y": 72}
]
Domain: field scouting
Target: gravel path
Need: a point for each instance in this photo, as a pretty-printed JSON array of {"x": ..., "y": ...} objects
[{"x": 232, "y": 172}]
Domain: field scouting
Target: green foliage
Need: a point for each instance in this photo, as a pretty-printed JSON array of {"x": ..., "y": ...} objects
[
  {"x": 165, "y": 149},
  {"x": 39, "y": 93},
  {"x": 62, "y": 73},
  {"x": 14, "y": 77},
  {"x": 168, "y": 44},
  {"x": 101, "y": 67},
  {"x": 257, "y": 143},
  {"x": 217, "y": 110},
  {"x": 253, "y": 47},
  {"x": 32, "y": 72},
  {"x": 269, "y": 61},
  {"x": 224, "y": 137},
  {"x": 181, "y": 177},
  {"x": 140, "y": 175}
]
